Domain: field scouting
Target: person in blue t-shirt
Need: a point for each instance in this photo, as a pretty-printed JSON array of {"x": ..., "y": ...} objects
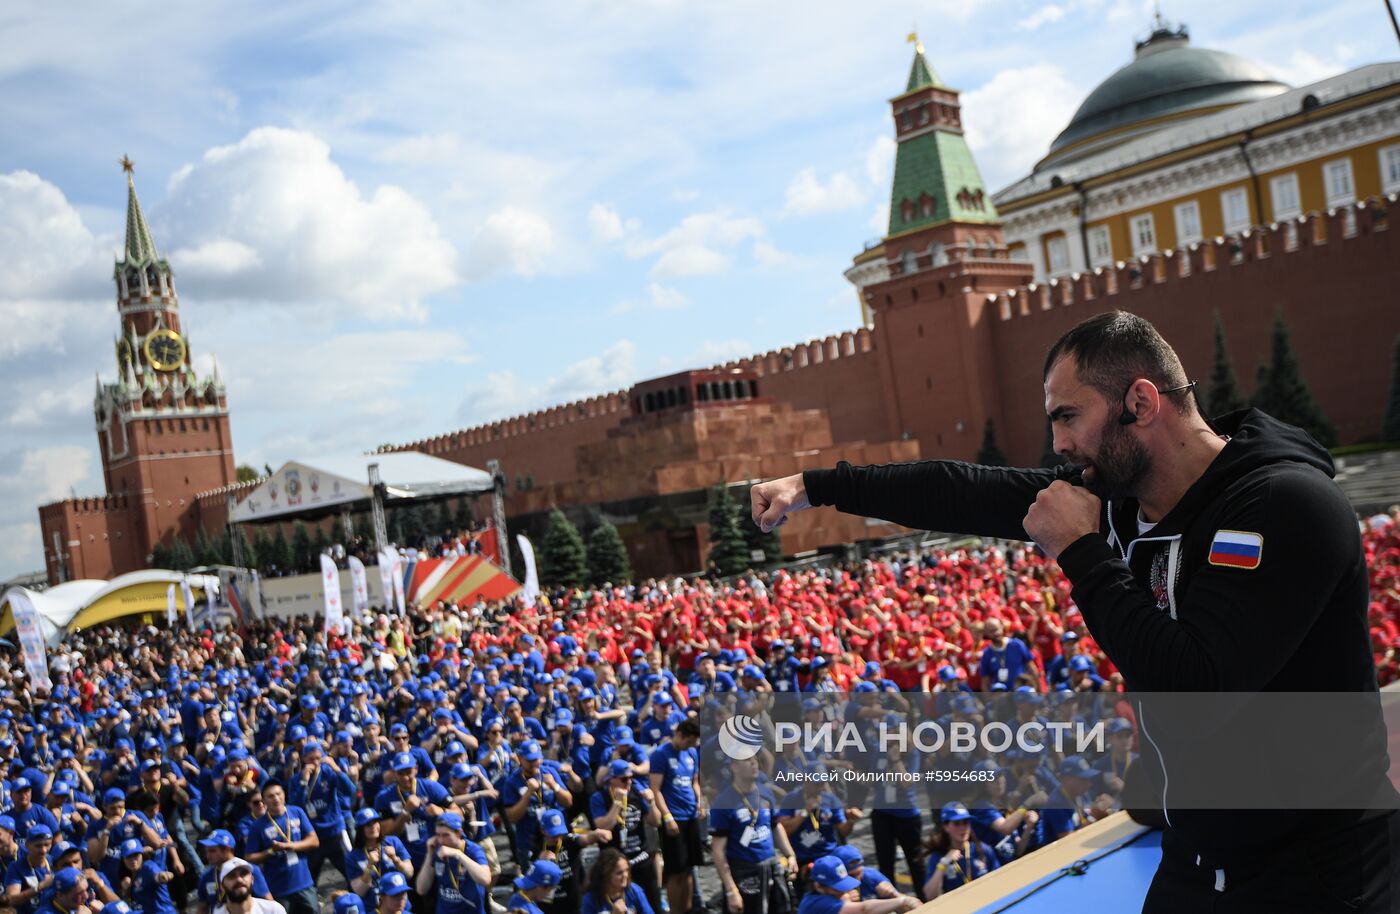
[
  {"x": 831, "y": 882},
  {"x": 526, "y": 794},
  {"x": 144, "y": 883},
  {"x": 393, "y": 893},
  {"x": 457, "y": 867},
  {"x": 957, "y": 856},
  {"x": 31, "y": 875},
  {"x": 873, "y": 883},
  {"x": 1003, "y": 659},
  {"x": 279, "y": 842},
  {"x": 323, "y": 790},
  {"x": 535, "y": 886},
  {"x": 675, "y": 782},
  {"x": 409, "y": 804},
  {"x": 744, "y": 841},
  {"x": 373, "y": 855},
  {"x": 218, "y": 849},
  {"x": 1068, "y": 807},
  {"x": 611, "y": 889},
  {"x": 815, "y": 822}
]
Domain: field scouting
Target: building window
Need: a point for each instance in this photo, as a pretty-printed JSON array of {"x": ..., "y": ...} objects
[
  {"x": 906, "y": 261},
  {"x": 1144, "y": 235},
  {"x": 1234, "y": 209},
  {"x": 1100, "y": 246},
  {"x": 1188, "y": 223},
  {"x": 1336, "y": 177},
  {"x": 1390, "y": 169},
  {"x": 1057, "y": 254},
  {"x": 1018, "y": 252},
  {"x": 1284, "y": 191}
]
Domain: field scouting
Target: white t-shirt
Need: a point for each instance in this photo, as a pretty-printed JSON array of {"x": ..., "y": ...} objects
[{"x": 260, "y": 906}]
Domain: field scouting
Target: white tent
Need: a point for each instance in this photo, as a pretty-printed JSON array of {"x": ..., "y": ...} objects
[
  {"x": 304, "y": 486},
  {"x": 86, "y": 603}
]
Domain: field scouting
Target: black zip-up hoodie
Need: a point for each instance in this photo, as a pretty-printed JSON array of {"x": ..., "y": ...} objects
[{"x": 1172, "y": 620}]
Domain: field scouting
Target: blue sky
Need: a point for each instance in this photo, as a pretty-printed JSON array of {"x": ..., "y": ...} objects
[{"x": 390, "y": 220}]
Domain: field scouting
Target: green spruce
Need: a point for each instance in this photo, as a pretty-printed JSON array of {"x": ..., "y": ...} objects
[
  {"x": 1282, "y": 392},
  {"x": 1223, "y": 396},
  {"x": 607, "y": 556},
  {"x": 563, "y": 559},
  {"x": 729, "y": 552},
  {"x": 989, "y": 454}
]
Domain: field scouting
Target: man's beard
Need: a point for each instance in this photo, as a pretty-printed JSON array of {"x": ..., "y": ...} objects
[
  {"x": 1121, "y": 465},
  {"x": 239, "y": 893}
]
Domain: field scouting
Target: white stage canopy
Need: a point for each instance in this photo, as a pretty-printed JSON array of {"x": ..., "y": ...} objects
[{"x": 304, "y": 486}]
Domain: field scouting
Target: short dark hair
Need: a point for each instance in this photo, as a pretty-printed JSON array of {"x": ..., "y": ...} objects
[
  {"x": 1114, "y": 349},
  {"x": 689, "y": 727}
]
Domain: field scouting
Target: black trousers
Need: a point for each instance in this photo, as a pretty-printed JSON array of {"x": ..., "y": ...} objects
[
  {"x": 906, "y": 832},
  {"x": 1355, "y": 869}
]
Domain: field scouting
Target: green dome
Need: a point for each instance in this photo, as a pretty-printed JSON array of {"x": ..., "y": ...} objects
[{"x": 1168, "y": 76}]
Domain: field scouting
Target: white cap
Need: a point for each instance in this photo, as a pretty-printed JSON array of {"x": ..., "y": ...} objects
[{"x": 233, "y": 864}]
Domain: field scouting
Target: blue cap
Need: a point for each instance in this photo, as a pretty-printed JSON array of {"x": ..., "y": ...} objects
[
  {"x": 752, "y": 672},
  {"x": 1076, "y": 767},
  {"x": 7, "y": 823},
  {"x": 947, "y": 673},
  {"x": 365, "y": 816},
  {"x": 296, "y": 731},
  {"x": 553, "y": 824},
  {"x": 1080, "y": 664},
  {"x": 150, "y": 764},
  {"x": 461, "y": 771},
  {"x": 866, "y": 687},
  {"x": 349, "y": 903},
  {"x": 404, "y": 762},
  {"x": 563, "y": 717},
  {"x": 393, "y": 883},
  {"x": 663, "y": 699},
  {"x": 830, "y": 873},
  {"x": 1070, "y": 635},
  {"x": 131, "y": 847},
  {"x": 66, "y": 879},
  {"x": 38, "y": 833},
  {"x": 954, "y": 812},
  {"x": 117, "y": 907},
  {"x": 542, "y": 873},
  {"x": 872, "y": 668},
  {"x": 398, "y": 730},
  {"x": 454, "y": 748},
  {"x": 1119, "y": 725},
  {"x": 451, "y": 821},
  {"x": 530, "y": 751},
  {"x": 619, "y": 768},
  {"x": 113, "y": 795},
  {"x": 850, "y": 855},
  {"x": 218, "y": 838}
]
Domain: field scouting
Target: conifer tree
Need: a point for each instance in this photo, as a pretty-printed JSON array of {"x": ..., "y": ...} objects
[
  {"x": 279, "y": 553},
  {"x": 989, "y": 454},
  {"x": 563, "y": 559},
  {"x": 1390, "y": 427},
  {"x": 770, "y": 544},
  {"x": 729, "y": 553},
  {"x": 1284, "y": 394},
  {"x": 1223, "y": 396},
  {"x": 181, "y": 555},
  {"x": 607, "y": 556},
  {"x": 302, "y": 552}
]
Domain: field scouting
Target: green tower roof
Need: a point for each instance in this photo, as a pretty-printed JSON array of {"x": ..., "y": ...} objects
[
  {"x": 921, "y": 75},
  {"x": 937, "y": 165},
  {"x": 140, "y": 248}
]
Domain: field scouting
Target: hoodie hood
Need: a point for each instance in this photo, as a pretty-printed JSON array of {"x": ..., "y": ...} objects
[{"x": 1256, "y": 440}]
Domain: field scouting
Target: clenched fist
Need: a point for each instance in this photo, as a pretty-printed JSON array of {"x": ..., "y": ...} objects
[
  {"x": 1061, "y": 514},
  {"x": 774, "y": 500}
]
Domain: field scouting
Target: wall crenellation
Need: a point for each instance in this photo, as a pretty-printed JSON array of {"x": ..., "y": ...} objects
[
  {"x": 515, "y": 426},
  {"x": 1244, "y": 252}
]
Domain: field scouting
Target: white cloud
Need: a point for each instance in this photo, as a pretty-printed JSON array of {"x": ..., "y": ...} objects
[
  {"x": 1011, "y": 120},
  {"x": 604, "y": 223},
  {"x": 1305, "y": 67},
  {"x": 1047, "y": 13},
  {"x": 504, "y": 394},
  {"x": 880, "y": 219},
  {"x": 61, "y": 401},
  {"x": 513, "y": 239},
  {"x": 29, "y": 478},
  {"x": 879, "y": 161},
  {"x": 685, "y": 195},
  {"x": 664, "y": 298},
  {"x": 698, "y": 245},
  {"x": 272, "y": 218},
  {"x": 767, "y": 255},
  {"x": 717, "y": 352},
  {"x": 807, "y": 194}
]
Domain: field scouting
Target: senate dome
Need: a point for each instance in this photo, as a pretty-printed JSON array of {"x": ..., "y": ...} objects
[{"x": 1166, "y": 81}]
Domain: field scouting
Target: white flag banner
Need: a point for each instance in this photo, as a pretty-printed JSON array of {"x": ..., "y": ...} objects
[
  {"x": 330, "y": 583},
  {"x": 530, "y": 588},
  {"x": 257, "y": 597},
  {"x": 170, "y": 607},
  {"x": 386, "y": 577},
  {"x": 359, "y": 586},
  {"x": 397, "y": 565},
  {"x": 31, "y": 639},
  {"x": 189, "y": 602}
]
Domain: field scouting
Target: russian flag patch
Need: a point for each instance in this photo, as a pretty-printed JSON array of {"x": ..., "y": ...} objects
[{"x": 1236, "y": 549}]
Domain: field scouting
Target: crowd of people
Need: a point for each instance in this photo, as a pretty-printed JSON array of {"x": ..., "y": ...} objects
[{"x": 235, "y": 770}]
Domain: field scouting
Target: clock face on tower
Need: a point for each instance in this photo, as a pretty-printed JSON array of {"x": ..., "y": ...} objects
[
  {"x": 123, "y": 352},
  {"x": 165, "y": 350}
]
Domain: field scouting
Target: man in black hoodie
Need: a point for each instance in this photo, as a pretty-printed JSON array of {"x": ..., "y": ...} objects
[{"x": 1205, "y": 557}]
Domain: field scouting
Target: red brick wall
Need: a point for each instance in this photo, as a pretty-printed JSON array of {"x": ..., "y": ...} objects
[
  {"x": 1340, "y": 297},
  {"x": 97, "y": 535}
]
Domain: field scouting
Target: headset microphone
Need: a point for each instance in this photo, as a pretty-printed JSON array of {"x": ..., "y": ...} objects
[{"x": 1128, "y": 417}]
